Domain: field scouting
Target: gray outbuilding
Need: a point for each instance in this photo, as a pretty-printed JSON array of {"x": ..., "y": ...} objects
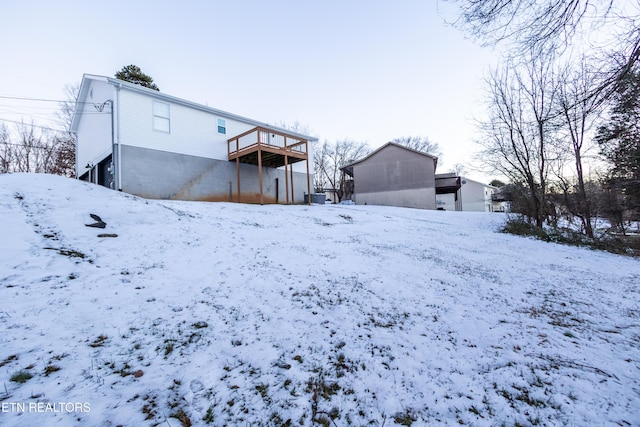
[{"x": 394, "y": 175}]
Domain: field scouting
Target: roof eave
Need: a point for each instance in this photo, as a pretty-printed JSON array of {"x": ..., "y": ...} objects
[{"x": 350, "y": 165}]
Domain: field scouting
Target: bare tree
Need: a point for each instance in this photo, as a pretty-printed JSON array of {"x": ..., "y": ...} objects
[
  {"x": 530, "y": 23},
  {"x": 28, "y": 145},
  {"x": 458, "y": 169},
  {"x": 321, "y": 164},
  {"x": 68, "y": 106},
  {"x": 543, "y": 26},
  {"x": 33, "y": 148},
  {"x": 32, "y": 151},
  {"x": 554, "y": 31},
  {"x": 333, "y": 157},
  {"x": 64, "y": 154},
  {"x": 577, "y": 111},
  {"x": 6, "y": 150},
  {"x": 65, "y": 143},
  {"x": 420, "y": 143},
  {"x": 29, "y": 149},
  {"x": 297, "y": 127},
  {"x": 517, "y": 134}
]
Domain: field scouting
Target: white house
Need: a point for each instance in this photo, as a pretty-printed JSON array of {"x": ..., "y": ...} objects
[
  {"x": 154, "y": 145},
  {"x": 472, "y": 196}
]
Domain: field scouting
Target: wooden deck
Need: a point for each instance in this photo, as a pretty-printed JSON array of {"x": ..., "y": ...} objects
[{"x": 273, "y": 149}]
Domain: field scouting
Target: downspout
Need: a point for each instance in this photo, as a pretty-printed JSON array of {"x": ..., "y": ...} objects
[
  {"x": 117, "y": 140},
  {"x": 113, "y": 147}
]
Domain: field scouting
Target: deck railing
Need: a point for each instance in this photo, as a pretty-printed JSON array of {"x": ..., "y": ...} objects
[
  {"x": 266, "y": 138},
  {"x": 447, "y": 184}
]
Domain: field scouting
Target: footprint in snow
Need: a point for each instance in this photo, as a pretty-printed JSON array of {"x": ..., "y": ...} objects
[{"x": 196, "y": 386}]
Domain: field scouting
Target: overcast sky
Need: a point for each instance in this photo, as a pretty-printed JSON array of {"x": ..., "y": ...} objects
[{"x": 366, "y": 70}]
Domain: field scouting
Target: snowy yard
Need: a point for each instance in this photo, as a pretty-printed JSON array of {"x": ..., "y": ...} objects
[{"x": 228, "y": 314}]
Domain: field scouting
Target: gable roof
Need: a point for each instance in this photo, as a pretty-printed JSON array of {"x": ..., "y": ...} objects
[
  {"x": 348, "y": 169},
  {"x": 121, "y": 84}
]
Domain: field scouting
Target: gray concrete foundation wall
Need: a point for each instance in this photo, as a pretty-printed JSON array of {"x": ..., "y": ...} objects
[
  {"x": 159, "y": 174},
  {"x": 424, "y": 198}
]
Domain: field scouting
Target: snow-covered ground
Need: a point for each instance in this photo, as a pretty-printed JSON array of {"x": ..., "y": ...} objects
[{"x": 229, "y": 314}]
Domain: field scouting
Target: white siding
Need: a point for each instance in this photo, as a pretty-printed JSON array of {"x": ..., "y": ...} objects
[
  {"x": 94, "y": 130},
  {"x": 192, "y": 132},
  {"x": 302, "y": 166},
  {"x": 446, "y": 202},
  {"x": 475, "y": 197}
]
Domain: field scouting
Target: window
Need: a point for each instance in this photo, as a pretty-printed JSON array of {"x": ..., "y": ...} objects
[
  {"x": 161, "y": 117},
  {"x": 222, "y": 126}
]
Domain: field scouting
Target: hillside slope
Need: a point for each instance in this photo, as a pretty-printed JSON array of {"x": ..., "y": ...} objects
[{"x": 230, "y": 314}]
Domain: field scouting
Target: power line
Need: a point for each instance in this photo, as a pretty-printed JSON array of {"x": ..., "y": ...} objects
[
  {"x": 42, "y": 147},
  {"x": 15, "y": 109},
  {"x": 20, "y": 98},
  {"x": 29, "y": 99},
  {"x": 26, "y": 111},
  {"x": 33, "y": 107},
  {"x": 35, "y": 126},
  {"x": 71, "y": 101}
]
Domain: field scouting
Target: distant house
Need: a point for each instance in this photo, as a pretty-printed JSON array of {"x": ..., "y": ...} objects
[
  {"x": 394, "y": 175},
  {"x": 501, "y": 199},
  {"x": 330, "y": 195},
  {"x": 144, "y": 142},
  {"x": 472, "y": 196}
]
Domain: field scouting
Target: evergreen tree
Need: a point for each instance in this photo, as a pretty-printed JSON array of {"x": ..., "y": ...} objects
[
  {"x": 133, "y": 74},
  {"x": 619, "y": 142}
]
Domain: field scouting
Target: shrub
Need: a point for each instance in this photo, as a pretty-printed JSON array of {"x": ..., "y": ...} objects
[
  {"x": 21, "y": 376},
  {"x": 614, "y": 244},
  {"x": 49, "y": 369},
  {"x": 520, "y": 227}
]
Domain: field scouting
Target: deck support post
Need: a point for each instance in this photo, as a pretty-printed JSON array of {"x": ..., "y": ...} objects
[
  {"x": 308, "y": 183},
  {"x": 238, "y": 176},
  {"x": 260, "y": 171},
  {"x": 292, "y": 193},
  {"x": 286, "y": 176}
]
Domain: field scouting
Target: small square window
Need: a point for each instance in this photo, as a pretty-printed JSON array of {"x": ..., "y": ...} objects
[{"x": 222, "y": 126}]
